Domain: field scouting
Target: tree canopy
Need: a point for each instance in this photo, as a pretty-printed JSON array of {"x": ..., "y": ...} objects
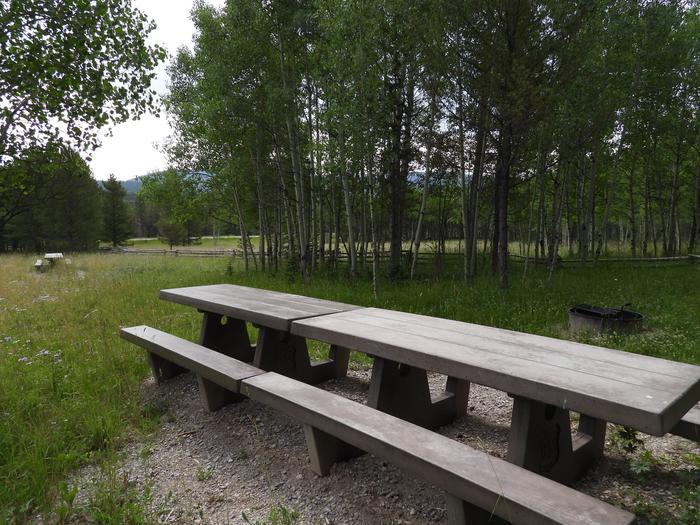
[
  {"x": 362, "y": 127},
  {"x": 58, "y": 206},
  {"x": 69, "y": 68}
]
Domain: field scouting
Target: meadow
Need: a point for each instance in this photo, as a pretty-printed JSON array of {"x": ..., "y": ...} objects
[{"x": 70, "y": 386}]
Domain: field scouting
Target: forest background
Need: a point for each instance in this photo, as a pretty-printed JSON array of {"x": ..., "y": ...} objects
[{"x": 363, "y": 129}]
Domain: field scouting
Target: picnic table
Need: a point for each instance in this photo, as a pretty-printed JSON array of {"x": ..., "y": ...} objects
[
  {"x": 547, "y": 378},
  {"x": 226, "y": 308},
  {"x": 53, "y": 257}
]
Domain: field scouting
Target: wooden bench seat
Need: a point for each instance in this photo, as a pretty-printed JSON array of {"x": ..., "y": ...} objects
[
  {"x": 689, "y": 426},
  {"x": 218, "y": 375},
  {"x": 477, "y": 484}
]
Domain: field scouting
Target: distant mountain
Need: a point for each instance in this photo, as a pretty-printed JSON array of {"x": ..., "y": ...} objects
[{"x": 132, "y": 185}]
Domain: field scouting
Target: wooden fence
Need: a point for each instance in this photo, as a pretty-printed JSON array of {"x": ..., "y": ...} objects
[
  {"x": 196, "y": 252},
  {"x": 187, "y": 252}
]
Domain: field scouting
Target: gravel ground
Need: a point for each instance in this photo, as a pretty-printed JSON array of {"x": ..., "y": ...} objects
[{"x": 237, "y": 464}]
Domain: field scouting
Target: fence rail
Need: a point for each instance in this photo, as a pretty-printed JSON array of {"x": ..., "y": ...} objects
[
  {"x": 180, "y": 252},
  {"x": 681, "y": 258},
  {"x": 232, "y": 252}
]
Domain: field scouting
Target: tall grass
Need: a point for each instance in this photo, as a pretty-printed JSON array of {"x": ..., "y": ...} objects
[
  {"x": 69, "y": 387},
  {"x": 69, "y": 383}
]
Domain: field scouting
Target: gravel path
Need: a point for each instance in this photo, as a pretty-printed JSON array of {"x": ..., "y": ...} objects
[{"x": 244, "y": 460}]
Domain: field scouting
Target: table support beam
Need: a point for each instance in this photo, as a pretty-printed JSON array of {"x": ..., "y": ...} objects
[
  {"x": 163, "y": 369},
  {"x": 288, "y": 354},
  {"x": 403, "y": 391},
  {"x": 459, "y": 512},
  {"x": 540, "y": 440},
  {"x": 214, "y": 396},
  {"x": 226, "y": 335},
  {"x": 325, "y": 450}
]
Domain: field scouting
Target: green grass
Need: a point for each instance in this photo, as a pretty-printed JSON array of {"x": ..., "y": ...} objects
[
  {"x": 114, "y": 500},
  {"x": 280, "y": 515},
  {"x": 70, "y": 386}
]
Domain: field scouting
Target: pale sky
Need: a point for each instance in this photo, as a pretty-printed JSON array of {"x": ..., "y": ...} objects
[{"x": 132, "y": 150}]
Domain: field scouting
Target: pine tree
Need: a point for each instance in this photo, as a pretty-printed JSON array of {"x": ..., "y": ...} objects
[{"x": 116, "y": 214}]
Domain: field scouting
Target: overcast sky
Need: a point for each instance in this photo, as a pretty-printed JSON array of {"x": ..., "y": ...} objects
[{"x": 132, "y": 150}]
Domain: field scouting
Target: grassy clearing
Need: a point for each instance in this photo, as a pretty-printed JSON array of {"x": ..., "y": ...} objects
[{"x": 70, "y": 386}]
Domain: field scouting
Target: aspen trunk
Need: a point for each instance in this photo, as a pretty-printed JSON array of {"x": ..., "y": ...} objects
[
  {"x": 260, "y": 197},
  {"x": 313, "y": 174},
  {"x": 633, "y": 220},
  {"x": 289, "y": 218},
  {"x": 475, "y": 189},
  {"x": 299, "y": 195},
  {"x": 603, "y": 238},
  {"x": 395, "y": 184},
  {"x": 696, "y": 209},
  {"x": 500, "y": 248},
  {"x": 426, "y": 186},
  {"x": 463, "y": 177},
  {"x": 349, "y": 213},
  {"x": 373, "y": 229},
  {"x": 245, "y": 241}
]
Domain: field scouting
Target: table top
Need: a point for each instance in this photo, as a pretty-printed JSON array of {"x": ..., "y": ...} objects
[
  {"x": 263, "y": 307},
  {"x": 646, "y": 393}
]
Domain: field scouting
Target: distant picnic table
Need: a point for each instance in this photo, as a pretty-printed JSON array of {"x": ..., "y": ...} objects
[{"x": 53, "y": 257}]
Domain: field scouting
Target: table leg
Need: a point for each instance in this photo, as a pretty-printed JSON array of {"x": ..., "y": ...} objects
[
  {"x": 214, "y": 396},
  {"x": 403, "y": 391},
  {"x": 163, "y": 369},
  {"x": 226, "y": 335},
  {"x": 540, "y": 440},
  {"x": 325, "y": 450},
  {"x": 288, "y": 354}
]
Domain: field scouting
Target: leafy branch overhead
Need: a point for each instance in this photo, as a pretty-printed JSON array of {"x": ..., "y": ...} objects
[{"x": 69, "y": 68}]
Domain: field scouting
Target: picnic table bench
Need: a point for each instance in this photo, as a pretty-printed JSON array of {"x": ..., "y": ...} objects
[
  {"x": 479, "y": 489},
  {"x": 547, "y": 378}
]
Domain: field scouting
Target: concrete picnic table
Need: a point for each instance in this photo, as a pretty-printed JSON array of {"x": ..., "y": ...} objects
[
  {"x": 227, "y": 307},
  {"x": 547, "y": 378}
]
